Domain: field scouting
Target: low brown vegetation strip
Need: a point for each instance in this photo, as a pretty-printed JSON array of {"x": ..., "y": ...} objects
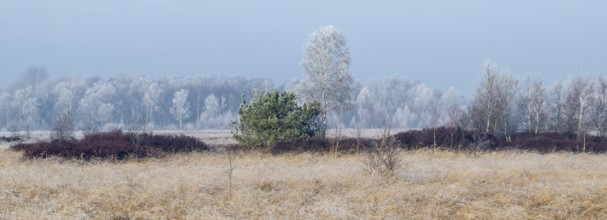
[
  {"x": 342, "y": 145},
  {"x": 449, "y": 138},
  {"x": 112, "y": 145},
  {"x": 458, "y": 139},
  {"x": 10, "y": 139}
]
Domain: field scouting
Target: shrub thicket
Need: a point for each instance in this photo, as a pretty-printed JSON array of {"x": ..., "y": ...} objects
[
  {"x": 346, "y": 145},
  {"x": 10, "y": 139},
  {"x": 274, "y": 117},
  {"x": 169, "y": 143},
  {"x": 450, "y": 138},
  {"x": 458, "y": 139},
  {"x": 549, "y": 142},
  {"x": 112, "y": 145}
]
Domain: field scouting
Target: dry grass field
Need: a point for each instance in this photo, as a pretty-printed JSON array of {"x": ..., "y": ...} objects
[{"x": 429, "y": 185}]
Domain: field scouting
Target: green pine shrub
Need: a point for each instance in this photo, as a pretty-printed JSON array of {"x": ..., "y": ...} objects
[{"x": 274, "y": 117}]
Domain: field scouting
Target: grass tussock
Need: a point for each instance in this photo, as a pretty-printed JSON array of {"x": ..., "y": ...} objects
[{"x": 429, "y": 184}]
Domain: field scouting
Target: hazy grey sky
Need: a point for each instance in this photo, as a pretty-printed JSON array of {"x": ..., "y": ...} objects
[{"x": 441, "y": 43}]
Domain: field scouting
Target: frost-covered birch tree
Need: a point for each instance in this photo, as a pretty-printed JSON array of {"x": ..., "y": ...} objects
[
  {"x": 491, "y": 107},
  {"x": 579, "y": 100},
  {"x": 151, "y": 98},
  {"x": 181, "y": 107},
  {"x": 27, "y": 105},
  {"x": 557, "y": 108},
  {"x": 325, "y": 64},
  {"x": 451, "y": 100},
  {"x": 533, "y": 105},
  {"x": 599, "y": 110},
  {"x": 215, "y": 115}
]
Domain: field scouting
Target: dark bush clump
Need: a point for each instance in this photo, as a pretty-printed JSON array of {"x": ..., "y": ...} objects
[
  {"x": 20, "y": 146},
  {"x": 112, "y": 145},
  {"x": 10, "y": 139},
  {"x": 169, "y": 143},
  {"x": 449, "y": 138},
  {"x": 72, "y": 149},
  {"x": 550, "y": 142},
  {"x": 458, "y": 139},
  {"x": 344, "y": 145}
]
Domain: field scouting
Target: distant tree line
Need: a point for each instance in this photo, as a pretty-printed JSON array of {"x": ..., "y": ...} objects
[
  {"x": 503, "y": 104},
  {"x": 125, "y": 102}
]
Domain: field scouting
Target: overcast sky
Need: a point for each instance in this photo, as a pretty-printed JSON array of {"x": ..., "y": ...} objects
[{"x": 440, "y": 43}]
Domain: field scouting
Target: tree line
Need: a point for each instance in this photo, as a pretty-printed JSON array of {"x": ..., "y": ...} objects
[
  {"x": 502, "y": 105},
  {"x": 198, "y": 102}
]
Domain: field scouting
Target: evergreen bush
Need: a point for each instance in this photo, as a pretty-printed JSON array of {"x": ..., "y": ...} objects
[{"x": 274, "y": 117}]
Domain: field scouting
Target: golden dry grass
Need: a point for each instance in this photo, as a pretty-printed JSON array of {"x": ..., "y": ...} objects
[{"x": 430, "y": 185}]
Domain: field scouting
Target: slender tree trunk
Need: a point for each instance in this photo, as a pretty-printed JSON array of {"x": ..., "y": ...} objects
[
  {"x": 324, "y": 114},
  {"x": 537, "y": 122},
  {"x": 180, "y": 121},
  {"x": 434, "y": 129}
]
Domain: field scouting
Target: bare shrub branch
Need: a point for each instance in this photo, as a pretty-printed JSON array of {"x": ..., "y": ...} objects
[{"x": 383, "y": 159}]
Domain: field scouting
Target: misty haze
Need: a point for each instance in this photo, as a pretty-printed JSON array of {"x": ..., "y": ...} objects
[{"x": 306, "y": 110}]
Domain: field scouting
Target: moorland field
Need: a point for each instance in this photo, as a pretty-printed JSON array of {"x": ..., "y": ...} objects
[{"x": 429, "y": 184}]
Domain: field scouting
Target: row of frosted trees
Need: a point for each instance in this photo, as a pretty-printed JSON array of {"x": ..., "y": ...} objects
[
  {"x": 192, "y": 102},
  {"x": 503, "y": 104},
  {"x": 125, "y": 102}
]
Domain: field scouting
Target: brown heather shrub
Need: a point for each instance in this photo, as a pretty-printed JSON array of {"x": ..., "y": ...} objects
[
  {"x": 448, "y": 138},
  {"x": 101, "y": 149},
  {"x": 112, "y": 145},
  {"x": 551, "y": 142},
  {"x": 10, "y": 139},
  {"x": 169, "y": 143},
  {"x": 458, "y": 139},
  {"x": 346, "y": 145}
]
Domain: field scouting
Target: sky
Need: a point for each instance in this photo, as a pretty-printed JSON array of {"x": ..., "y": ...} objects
[{"x": 440, "y": 43}]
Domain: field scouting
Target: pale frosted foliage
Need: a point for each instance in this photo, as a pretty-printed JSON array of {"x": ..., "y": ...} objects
[
  {"x": 211, "y": 104},
  {"x": 423, "y": 98},
  {"x": 411, "y": 104},
  {"x": 452, "y": 106},
  {"x": 403, "y": 117},
  {"x": 213, "y": 115},
  {"x": 424, "y": 104},
  {"x": 325, "y": 63},
  {"x": 151, "y": 96},
  {"x": 105, "y": 112},
  {"x": 96, "y": 105},
  {"x": 27, "y": 103},
  {"x": 365, "y": 96},
  {"x": 65, "y": 96},
  {"x": 382, "y": 97},
  {"x": 181, "y": 106}
]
